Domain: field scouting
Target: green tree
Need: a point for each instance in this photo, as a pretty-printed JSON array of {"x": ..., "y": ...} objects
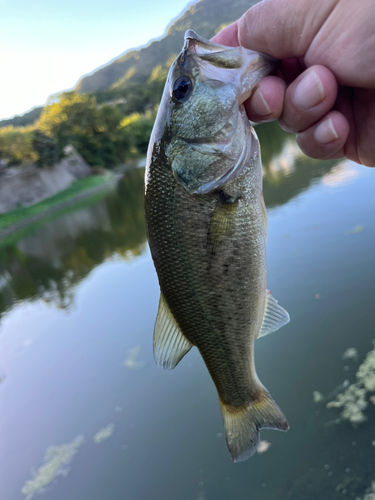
[
  {"x": 137, "y": 129},
  {"x": 46, "y": 149},
  {"x": 16, "y": 145},
  {"x": 91, "y": 128}
]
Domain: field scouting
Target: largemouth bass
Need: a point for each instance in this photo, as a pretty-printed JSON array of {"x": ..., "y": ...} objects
[{"x": 207, "y": 224}]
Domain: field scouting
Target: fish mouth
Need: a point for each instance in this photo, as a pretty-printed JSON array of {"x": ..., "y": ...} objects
[
  {"x": 193, "y": 39},
  {"x": 202, "y": 46},
  {"x": 241, "y": 67}
]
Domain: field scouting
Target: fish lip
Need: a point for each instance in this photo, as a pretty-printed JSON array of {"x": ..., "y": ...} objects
[{"x": 192, "y": 36}]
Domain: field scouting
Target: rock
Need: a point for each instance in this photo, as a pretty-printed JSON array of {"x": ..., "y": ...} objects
[{"x": 27, "y": 185}]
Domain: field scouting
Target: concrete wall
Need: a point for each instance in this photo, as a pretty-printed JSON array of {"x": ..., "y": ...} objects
[{"x": 24, "y": 186}]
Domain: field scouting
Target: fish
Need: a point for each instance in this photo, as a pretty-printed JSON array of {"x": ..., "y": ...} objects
[{"x": 207, "y": 227}]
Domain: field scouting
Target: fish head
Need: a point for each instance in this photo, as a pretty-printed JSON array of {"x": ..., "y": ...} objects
[{"x": 201, "y": 125}]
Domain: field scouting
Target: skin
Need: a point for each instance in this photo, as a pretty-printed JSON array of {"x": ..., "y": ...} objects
[{"x": 332, "y": 42}]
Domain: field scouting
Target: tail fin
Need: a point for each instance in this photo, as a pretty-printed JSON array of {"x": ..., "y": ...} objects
[{"x": 242, "y": 424}]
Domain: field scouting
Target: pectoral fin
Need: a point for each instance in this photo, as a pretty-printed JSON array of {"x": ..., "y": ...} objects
[
  {"x": 170, "y": 344},
  {"x": 222, "y": 224},
  {"x": 274, "y": 316}
]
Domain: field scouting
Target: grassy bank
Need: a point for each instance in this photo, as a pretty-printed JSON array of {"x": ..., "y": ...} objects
[
  {"x": 15, "y": 216},
  {"x": 18, "y": 234}
]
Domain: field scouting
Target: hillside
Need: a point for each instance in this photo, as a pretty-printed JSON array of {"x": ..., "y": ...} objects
[
  {"x": 23, "y": 120},
  {"x": 205, "y": 17},
  {"x": 120, "y": 79}
]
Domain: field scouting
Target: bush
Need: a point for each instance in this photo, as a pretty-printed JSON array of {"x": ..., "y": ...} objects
[
  {"x": 46, "y": 149},
  {"x": 138, "y": 127},
  {"x": 16, "y": 145}
]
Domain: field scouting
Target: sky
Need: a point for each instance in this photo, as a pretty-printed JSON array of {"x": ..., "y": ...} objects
[{"x": 47, "y": 45}]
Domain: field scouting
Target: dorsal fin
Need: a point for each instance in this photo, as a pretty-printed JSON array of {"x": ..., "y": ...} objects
[
  {"x": 274, "y": 316},
  {"x": 170, "y": 344}
]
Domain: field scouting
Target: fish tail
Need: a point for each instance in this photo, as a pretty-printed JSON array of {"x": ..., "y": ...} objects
[{"x": 242, "y": 424}]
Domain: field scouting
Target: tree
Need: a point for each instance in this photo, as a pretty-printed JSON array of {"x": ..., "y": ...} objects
[
  {"x": 46, "y": 149},
  {"x": 16, "y": 145},
  {"x": 91, "y": 128},
  {"x": 137, "y": 128}
]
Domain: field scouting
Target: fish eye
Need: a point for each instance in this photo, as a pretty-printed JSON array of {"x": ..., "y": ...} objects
[{"x": 182, "y": 88}]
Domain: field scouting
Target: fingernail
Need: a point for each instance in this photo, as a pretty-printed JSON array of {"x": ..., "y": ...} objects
[
  {"x": 259, "y": 104},
  {"x": 325, "y": 132},
  {"x": 309, "y": 92}
]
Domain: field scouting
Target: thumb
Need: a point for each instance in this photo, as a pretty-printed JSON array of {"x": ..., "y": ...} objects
[{"x": 281, "y": 28}]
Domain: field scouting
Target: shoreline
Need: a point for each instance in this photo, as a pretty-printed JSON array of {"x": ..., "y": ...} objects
[{"x": 59, "y": 206}]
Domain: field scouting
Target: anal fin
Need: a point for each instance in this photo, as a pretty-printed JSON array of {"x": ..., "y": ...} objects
[
  {"x": 170, "y": 344},
  {"x": 274, "y": 316}
]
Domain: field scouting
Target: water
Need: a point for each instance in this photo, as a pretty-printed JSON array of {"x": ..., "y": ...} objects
[{"x": 78, "y": 300}]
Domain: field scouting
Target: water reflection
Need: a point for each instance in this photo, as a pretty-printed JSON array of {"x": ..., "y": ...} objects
[
  {"x": 287, "y": 172},
  {"x": 50, "y": 262},
  {"x": 88, "y": 370}
]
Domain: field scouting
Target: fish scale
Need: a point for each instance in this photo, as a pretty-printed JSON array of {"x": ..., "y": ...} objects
[
  {"x": 206, "y": 230},
  {"x": 200, "y": 295}
]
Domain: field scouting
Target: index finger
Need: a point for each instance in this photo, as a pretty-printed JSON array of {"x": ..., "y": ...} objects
[
  {"x": 228, "y": 36},
  {"x": 283, "y": 29}
]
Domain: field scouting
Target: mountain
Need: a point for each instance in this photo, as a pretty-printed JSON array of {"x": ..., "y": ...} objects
[
  {"x": 135, "y": 67},
  {"x": 205, "y": 17},
  {"x": 23, "y": 120}
]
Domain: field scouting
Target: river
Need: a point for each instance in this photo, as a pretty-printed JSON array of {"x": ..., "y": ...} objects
[{"x": 85, "y": 414}]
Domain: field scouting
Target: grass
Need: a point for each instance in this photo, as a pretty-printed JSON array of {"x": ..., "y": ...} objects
[
  {"x": 14, "y": 237},
  {"x": 15, "y": 216}
]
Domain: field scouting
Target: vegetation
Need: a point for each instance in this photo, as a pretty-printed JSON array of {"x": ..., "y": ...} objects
[
  {"x": 46, "y": 149},
  {"x": 108, "y": 119},
  {"x": 136, "y": 66},
  {"x": 102, "y": 133},
  {"x": 16, "y": 145},
  {"x": 30, "y": 276},
  {"x": 93, "y": 130},
  {"x": 24, "y": 120}
]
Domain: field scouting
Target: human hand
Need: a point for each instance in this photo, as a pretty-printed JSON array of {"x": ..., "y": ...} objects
[{"x": 325, "y": 87}]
